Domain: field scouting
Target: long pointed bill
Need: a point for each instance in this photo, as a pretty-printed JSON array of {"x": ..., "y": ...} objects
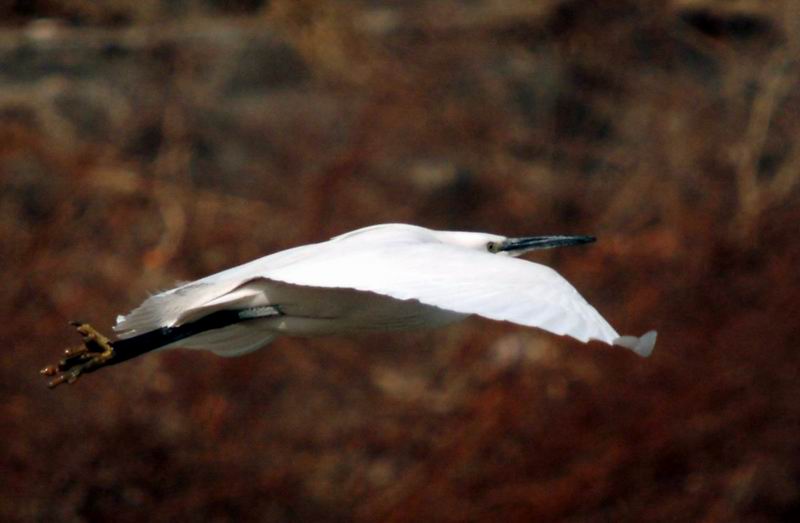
[{"x": 533, "y": 243}]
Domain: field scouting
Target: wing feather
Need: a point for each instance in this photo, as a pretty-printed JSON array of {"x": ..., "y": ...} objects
[{"x": 457, "y": 279}]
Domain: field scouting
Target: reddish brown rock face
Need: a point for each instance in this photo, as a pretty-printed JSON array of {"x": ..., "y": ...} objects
[{"x": 144, "y": 143}]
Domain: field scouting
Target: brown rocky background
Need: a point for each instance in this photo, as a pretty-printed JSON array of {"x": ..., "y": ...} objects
[{"x": 146, "y": 142}]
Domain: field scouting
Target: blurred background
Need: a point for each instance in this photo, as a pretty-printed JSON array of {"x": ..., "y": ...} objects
[{"x": 145, "y": 142}]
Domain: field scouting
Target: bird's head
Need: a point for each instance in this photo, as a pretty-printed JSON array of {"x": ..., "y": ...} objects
[
  {"x": 478, "y": 241},
  {"x": 505, "y": 246}
]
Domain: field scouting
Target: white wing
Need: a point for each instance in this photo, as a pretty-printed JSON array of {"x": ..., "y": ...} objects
[{"x": 456, "y": 279}]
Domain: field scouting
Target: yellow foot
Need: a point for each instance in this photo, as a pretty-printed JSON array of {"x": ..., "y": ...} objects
[{"x": 96, "y": 352}]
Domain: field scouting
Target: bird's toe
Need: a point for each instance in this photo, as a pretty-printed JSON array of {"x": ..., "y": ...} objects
[{"x": 97, "y": 351}]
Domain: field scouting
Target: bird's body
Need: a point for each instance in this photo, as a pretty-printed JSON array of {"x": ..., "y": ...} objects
[{"x": 384, "y": 277}]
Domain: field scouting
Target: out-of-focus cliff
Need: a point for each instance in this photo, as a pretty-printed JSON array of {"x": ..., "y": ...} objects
[{"x": 147, "y": 142}]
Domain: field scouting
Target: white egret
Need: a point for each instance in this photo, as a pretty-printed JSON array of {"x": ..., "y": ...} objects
[{"x": 384, "y": 277}]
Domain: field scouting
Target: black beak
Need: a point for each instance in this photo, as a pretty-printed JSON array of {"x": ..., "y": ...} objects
[{"x": 533, "y": 243}]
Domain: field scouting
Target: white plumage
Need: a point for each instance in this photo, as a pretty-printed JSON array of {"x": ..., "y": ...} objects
[{"x": 382, "y": 277}]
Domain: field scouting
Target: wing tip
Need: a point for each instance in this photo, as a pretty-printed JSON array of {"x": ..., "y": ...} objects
[{"x": 642, "y": 345}]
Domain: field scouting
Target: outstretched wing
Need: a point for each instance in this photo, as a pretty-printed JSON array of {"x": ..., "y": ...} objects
[{"x": 457, "y": 279}]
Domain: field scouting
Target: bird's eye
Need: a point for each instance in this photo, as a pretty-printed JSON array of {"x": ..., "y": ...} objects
[{"x": 492, "y": 247}]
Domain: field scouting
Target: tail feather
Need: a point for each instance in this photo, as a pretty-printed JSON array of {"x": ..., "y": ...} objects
[{"x": 166, "y": 309}]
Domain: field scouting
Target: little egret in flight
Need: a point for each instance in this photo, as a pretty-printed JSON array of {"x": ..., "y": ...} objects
[{"x": 384, "y": 277}]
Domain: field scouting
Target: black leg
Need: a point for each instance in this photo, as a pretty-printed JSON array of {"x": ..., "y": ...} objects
[{"x": 98, "y": 351}]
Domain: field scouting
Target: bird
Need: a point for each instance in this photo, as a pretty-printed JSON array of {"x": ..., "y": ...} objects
[{"x": 378, "y": 278}]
